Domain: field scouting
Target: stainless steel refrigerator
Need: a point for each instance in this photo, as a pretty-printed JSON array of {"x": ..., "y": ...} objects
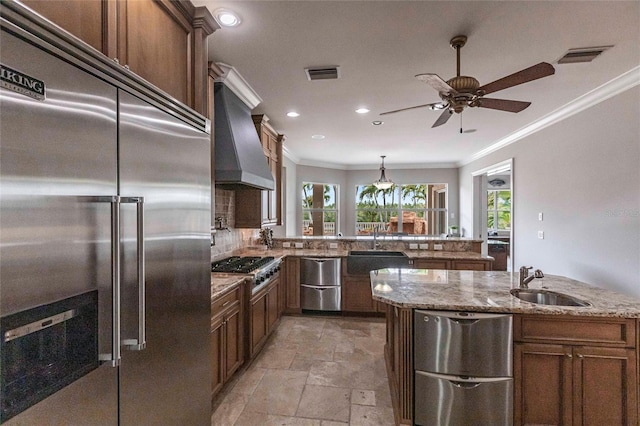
[{"x": 104, "y": 239}]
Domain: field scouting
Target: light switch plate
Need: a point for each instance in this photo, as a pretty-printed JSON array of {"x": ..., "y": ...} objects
[
  {"x": 286, "y": 244},
  {"x": 413, "y": 247},
  {"x": 438, "y": 246},
  {"x": 540, "y": 216},
  {"x": 541, "y": 235},
  {"x": 333, "y": 245},
  {"x": 424, "y": 246},
  {"x": 298, "y": 245}
]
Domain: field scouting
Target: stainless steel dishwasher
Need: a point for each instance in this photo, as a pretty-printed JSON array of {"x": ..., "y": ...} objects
[
  {"x": 320, "y": 284},
  {"x": 463, "y": 368}
]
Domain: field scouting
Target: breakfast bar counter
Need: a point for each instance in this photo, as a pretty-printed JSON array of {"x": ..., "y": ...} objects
[{"x": 490, "y": 292}]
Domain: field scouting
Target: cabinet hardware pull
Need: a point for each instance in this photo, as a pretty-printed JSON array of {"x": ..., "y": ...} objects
[
  {"x": 580, "y": 356},
  {"x": 569, "y": 355},
  {"x": 226, "y": 303}
]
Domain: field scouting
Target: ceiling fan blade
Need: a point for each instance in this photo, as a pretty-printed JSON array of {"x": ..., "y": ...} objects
[
  {"x": 413, "y": 107},
  {"x": 535, "y": 72},
  {"x": 503, "y": 104},
  {"x": 444, "y": 117},
  {"x": 437, "y": 83}
]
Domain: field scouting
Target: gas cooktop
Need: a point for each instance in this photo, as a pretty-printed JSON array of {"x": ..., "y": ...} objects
[{"x": 240, "y": 265}]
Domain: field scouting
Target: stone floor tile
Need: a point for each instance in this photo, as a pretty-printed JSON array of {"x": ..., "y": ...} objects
[
  {"x": 323, "y": 402},
  {"x": 362, "y": 415},
  {"x": 278, "y": 392},
  {"x": 229, "y": 409},
  {"x": 341, "y": 375},
  {"x": 310, "y": 366},
  {"x": 363, "y": 397},
  {"x": 274, "y": 357},
  {"x": 248, "y": 381},
  {"x": 263, "y": 419},
  {"x": 301, "y": 364}
]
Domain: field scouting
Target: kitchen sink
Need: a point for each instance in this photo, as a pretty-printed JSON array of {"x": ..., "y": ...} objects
[
  {"x": 376, "y": 253},
  {"x": 363, "y": 261},
  {"x": 547, "y": 297}
]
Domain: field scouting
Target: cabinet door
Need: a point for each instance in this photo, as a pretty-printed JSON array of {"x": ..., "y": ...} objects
[
  {"x": 272, "y": 305},
  {"x": 542, "y": 378},
  {"x": 292, "y": 282},
  {"x": 217, "y": 359},
  {"x": 605, "y": 389},
  {"x": 470, "y": 265},
  {"x": 258, "y": 313},
  {"x": 87, "y": 20},
  {"x": 356, "y": 295},
  {"x": 430, "y": 264},
  {"x": 233, "y": 356},
  {"x": 157, "y": 32}
]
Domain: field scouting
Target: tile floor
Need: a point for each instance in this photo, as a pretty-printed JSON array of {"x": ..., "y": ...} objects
[{"x": 316, "y": 371}]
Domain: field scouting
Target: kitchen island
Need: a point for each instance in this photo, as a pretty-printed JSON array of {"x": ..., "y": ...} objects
[{"x": 571, "y": 364}]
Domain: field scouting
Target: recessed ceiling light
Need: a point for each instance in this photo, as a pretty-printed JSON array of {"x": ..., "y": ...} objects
[
  {"x": 227, "y": 18},
  {"x": 293, "y": 114},
  {"x": 317, "y": 137},
  {"x": 362, "y": 110},
  {"x": 377, "y": 123}
]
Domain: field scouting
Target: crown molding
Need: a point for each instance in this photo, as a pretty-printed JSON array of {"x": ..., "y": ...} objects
[
  {"x": 238, "y": 85},
  {"x": 601, "y": 93}
]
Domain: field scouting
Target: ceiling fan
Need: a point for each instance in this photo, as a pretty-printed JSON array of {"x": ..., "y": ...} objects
[{"x": 462, "y": 91}]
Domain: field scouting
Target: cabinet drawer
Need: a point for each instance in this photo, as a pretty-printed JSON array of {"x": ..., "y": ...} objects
[
  {"x": 226, "y": 300},
  {"x": 575, "y": 330}
]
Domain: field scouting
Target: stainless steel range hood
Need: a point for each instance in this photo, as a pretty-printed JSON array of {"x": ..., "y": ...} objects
[{"x": 239, "y": 159}]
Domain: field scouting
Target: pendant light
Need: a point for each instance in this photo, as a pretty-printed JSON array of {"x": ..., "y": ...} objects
[{"x": 383, "y": 182}]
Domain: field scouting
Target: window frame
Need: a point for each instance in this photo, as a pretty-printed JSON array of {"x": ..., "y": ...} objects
[
  {"x": 423, "y": 211},
  {"x": 495, "y": 210},
  {"x": 324, "y": 210}
]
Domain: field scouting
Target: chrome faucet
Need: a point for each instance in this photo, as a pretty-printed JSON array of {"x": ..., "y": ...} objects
[
  {"x": 375, "y": 237},
  {"x": 525, "y": 278}
]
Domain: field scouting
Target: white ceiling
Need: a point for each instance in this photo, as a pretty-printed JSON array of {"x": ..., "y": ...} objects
[{"x": 381, "y": 45}]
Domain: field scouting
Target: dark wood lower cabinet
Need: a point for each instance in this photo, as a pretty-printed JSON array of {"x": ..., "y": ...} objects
[
  {"x": 227, "y": 338},
  {"x": 291, "y": 282},
  {"x": 575, "y": 371},
  {"x": 399, "y": 361},
  {"x": 356, "y": 294},
  {"x": 264, "y": 312}
]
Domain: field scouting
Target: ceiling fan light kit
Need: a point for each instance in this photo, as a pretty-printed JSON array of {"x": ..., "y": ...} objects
[{"x": 461, "y": 92}]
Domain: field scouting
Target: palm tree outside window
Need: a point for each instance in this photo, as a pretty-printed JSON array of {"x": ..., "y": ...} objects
[
  {"x": 498, "y": 210},
  {"x": 319, "y": 209},
  {"x": 413, "y": 209}
]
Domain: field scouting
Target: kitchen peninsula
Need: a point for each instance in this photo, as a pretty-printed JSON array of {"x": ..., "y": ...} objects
[{"x": 571, "y": 364}]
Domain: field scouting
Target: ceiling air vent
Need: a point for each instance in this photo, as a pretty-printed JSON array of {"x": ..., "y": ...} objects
[
  {"x": 582, "y": 54},
  {"x": 323, "y": 73}
]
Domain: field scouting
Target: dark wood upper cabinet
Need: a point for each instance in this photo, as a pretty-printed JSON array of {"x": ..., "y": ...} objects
[{"x": 163, "y": 41}]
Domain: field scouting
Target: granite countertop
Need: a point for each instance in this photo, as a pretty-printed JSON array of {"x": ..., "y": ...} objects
[
  {"x": 221, "y": 283},
  {"x": 489, "y": 292},
  {"x": 411, "y": 254}
]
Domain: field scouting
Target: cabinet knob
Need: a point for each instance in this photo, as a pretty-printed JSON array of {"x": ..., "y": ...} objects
[
  {"x": 569, "y": 355},
  {"x": 580, "y": 356}
]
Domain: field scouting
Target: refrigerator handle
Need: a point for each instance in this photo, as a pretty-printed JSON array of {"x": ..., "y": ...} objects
[
  {"x": 113, "y": 358},
  {"x": 140, "y": 343}
]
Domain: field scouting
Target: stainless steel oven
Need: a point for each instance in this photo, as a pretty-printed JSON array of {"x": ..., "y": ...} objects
[{"x": 46, "y": 348}]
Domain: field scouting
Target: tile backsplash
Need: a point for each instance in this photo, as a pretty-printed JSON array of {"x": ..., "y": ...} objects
[{"x": 229, "y": 238}]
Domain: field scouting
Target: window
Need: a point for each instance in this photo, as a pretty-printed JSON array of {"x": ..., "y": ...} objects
[
  {"x": 319, "y": 209},
  {"x": 415, "y": 209},
  {"x": 498, "y": 210}
]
